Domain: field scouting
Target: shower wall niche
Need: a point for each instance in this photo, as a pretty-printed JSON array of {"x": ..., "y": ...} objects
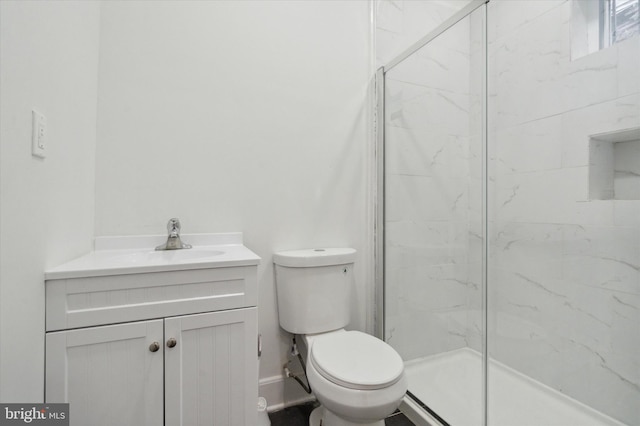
[{"x": 614, "y": 165}]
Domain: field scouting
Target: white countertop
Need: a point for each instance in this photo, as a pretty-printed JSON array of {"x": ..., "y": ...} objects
[{"x": 137, "y": 254}]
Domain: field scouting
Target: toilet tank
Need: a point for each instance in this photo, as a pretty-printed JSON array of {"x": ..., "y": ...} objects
[{"x": 314, "y": 289}]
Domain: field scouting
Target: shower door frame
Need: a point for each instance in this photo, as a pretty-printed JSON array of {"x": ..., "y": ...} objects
[{"x": 379, "y": 129}]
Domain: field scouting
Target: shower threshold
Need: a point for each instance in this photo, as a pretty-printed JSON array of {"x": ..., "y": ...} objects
[{"x": 450, "y": 385}]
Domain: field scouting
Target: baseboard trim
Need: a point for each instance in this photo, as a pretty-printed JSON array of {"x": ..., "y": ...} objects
[{"x": 282, "y": 392}]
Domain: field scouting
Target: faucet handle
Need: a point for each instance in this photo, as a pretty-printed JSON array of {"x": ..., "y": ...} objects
[
  {"x": 173, "y": 240},
  {"x": 173, "y": 226}
]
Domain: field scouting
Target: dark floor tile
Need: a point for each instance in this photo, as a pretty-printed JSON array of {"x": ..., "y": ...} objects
[
  {"x": 298, "y": 415},
  {"x": 398, "y": 419}
]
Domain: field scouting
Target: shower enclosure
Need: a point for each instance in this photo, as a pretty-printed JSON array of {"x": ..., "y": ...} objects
[{"x": 509, "y": 218}]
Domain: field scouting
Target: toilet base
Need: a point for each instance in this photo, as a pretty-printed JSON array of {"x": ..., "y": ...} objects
[
  {"x": 316, "y": 416},
  {"x": 320, "y": 417}
]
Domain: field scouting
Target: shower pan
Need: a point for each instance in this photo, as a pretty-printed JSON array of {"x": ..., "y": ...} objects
[{"x": 510, "y": 290}]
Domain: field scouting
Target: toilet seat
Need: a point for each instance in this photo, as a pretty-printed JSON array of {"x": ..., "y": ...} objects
[{"x": 356, "y": 360}]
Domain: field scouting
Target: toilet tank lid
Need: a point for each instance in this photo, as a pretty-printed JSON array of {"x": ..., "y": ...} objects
[{"x": 308, "y": 258}]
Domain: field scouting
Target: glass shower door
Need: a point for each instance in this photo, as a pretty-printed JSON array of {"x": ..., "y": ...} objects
[
  {"x": 433, "y": 219},
  {"x": 511, "y": 270},
  {"x": 564, "y": 255}
]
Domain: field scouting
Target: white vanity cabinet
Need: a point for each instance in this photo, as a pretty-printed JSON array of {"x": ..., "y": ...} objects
[
  {"x": 209, "y": 380},
  {"x": 177, "y": 347},
  {"x": 107, "y": 374}
]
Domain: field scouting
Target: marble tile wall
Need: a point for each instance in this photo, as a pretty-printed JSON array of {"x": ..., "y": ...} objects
[
  {"x": 432, "y": 118},
  {"x": 561, "y": 262},
  {"x": 564, "y": 269}
]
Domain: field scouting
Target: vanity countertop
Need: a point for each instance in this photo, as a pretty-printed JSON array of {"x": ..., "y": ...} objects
[{"x": 137, "y": 254}]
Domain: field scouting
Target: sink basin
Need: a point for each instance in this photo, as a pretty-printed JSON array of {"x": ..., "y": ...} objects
[
  {"x": 134, "y": 254},
  {"x": 159, "y": 257}
]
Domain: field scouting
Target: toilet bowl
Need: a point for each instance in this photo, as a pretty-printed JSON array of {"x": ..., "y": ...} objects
[{"x": 358, "y": 379}]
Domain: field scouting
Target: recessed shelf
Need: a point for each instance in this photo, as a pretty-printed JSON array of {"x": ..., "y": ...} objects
[{"x": 614, "y": 165}]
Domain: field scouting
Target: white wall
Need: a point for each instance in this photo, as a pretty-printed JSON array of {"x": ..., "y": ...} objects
[
  {"x": 49, "y": 61},
  {"x": 240, "y": 116}
]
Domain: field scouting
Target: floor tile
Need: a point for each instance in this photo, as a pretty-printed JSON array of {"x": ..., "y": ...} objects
[
  {"x": 298, "y": 415},
  {"x": 398, "y": 419}
]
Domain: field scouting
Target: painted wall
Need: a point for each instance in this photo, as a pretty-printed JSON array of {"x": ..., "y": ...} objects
[
  {"x": 49, "y": 61},
  {"x": 241, "y": 116}
]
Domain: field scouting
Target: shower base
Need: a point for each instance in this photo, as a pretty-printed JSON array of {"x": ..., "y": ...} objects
[{"x": 450, "y": 384}]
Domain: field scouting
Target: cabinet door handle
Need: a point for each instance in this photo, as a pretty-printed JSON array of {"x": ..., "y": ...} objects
[
  {"x": 171, "y": 343},
  {"x": 154, "y": 347}
]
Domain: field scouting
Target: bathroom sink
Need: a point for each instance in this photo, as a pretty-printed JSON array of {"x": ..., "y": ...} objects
[
  {"x": 136, "y": 255},
  {"x": 159, "y": 257}
]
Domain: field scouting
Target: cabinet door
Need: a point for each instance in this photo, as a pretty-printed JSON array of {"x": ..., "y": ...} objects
[
  {"x": 211, "y": 374},
  {"x": 109, "y": 375}
]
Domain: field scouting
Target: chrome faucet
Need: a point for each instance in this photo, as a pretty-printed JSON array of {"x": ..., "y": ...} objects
[{"x": 173, "y": 241}]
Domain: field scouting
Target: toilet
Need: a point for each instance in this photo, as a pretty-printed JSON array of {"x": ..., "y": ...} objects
[{"x": 358, "y": 379}]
